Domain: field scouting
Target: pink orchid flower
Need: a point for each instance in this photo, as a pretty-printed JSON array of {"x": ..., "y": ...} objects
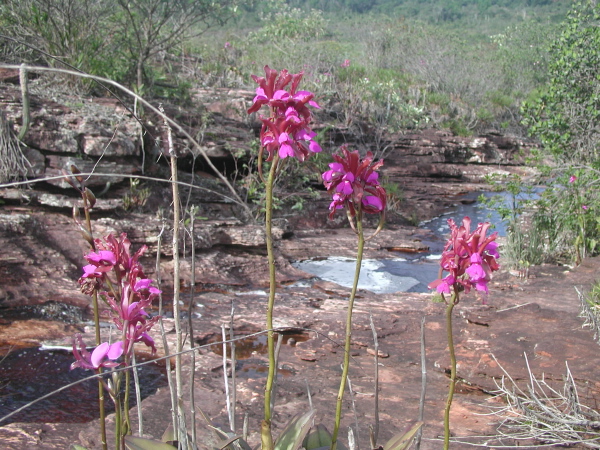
[
  {"x": 286, "y": 131},
  {"x": 104, "y": 355},
  {"x": 354, "y": 183},
  {"x": 469, "y": 257}
]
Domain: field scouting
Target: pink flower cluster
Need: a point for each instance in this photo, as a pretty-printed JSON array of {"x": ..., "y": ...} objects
[
  {"x": 354, "y": 183},
  {"x": 127, "y": 291},
  {"x": 469, "y": 257},
  {"x": 287, "y": 129}
]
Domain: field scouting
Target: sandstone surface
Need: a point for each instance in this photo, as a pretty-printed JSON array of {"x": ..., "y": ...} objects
[{"x": 40, "y": 305}]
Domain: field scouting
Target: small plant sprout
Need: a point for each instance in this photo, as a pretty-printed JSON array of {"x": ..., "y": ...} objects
[{"x": 469, "y": 258}]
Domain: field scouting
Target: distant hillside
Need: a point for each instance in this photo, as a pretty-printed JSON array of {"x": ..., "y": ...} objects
[{"x": 437, "y": 11}]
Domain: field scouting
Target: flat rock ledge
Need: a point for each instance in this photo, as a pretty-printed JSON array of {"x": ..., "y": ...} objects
[{"x": 537, "y": 317}]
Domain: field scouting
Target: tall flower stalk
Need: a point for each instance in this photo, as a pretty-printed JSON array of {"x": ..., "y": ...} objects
[
  {"x": 285, "y": 133},
  {"x": 117, "y": 277},
  {"x": 89, "y": 200},
  {"x": 354, "y": 185},
  {"x": 469, "y": 258}
]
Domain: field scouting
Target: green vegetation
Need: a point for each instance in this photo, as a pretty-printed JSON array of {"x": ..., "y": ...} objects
[
  {"x": 378, "y": 67},
  {"x": 474, "y": 12},
  {"x": 112, "y": 38},
  {"x": 466, "y": 66},
  {"x": 403, "y": 73},
  {"x": 564, "y": 115}
]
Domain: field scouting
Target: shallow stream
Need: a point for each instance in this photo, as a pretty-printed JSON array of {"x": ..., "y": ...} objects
[
  {"x": 413, "y": 271},
  {"x": 28, "y": 374}
]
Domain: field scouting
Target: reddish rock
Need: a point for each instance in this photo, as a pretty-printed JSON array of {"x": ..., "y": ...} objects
[{"x": 42, "y": 255}]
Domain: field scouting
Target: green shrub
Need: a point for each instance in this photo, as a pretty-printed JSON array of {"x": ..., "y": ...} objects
[{"x": 458, "y": 127}]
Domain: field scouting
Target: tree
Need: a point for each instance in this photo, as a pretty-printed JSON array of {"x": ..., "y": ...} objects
[
  {"x": 566, "y": 119},
  {"x": 152, "y": 26},
  {"x": 66, "y": 30},
  {"x": 566, "y": 115}
]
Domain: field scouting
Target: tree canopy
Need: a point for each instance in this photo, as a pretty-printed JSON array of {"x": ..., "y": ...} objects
[{"x": 566, "y": 115}]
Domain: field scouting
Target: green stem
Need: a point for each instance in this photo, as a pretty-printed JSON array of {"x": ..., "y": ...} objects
[
  {"x": 267, "y": 439},
  {"x": 117, "y": 401},
  {"x": 126, "y": 419},
  {"x": 359, "y": 256},
  {"x": 101, "y": 407},
  {"x": 449, "y": 308}
]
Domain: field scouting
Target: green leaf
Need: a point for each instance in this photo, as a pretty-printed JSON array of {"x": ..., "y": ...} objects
[
  {"x": 237, "y": 439},
  {"x": 138, "y": 443},
  {"x": 317, "y": 437},
  {"x": 78, "y": 447},
  {"x": 169, "y": 438},
  {"x": 402, "y": 441},
  {"x": 292, "y": 436},
  {"x": 169, "y": 434}
]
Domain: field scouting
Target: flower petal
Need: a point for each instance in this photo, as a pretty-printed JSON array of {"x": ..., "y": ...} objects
[
  {"x": 99, "y": 354},
  {"x": 372, "y": 201},
  {"x": 115, "y": 350}
]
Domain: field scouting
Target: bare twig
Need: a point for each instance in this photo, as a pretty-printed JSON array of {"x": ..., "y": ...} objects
[
  {"x": 181, "y": 431},
  {"x": 351, "y": 439},
  {"x": 225, "y": 378},
  {"x": 164, "y": 334},
  {"x": 546, "y": 414},
  {"x": 12, "y": 161},
  {"x": 375, "y": 429},
  {"x": 193, "y": 211},
  {"x": 115, "y": 175},
  {"x": 245, "y": 427},
  {"x": 310, "y": 402},
  {"x": 25, "y": 101},
  {"x": 233, "y": 379},
  {"x": 138, "y": 395},
  {"x": 277, "y": 350},
  {"x": 423, "y": 385},
  {"x": 353, "y": 403},
  {"x": 590, "y": 314}
]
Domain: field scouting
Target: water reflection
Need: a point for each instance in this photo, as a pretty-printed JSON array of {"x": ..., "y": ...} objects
[
  {"x": 380, "y": 276},
  {"x": 477, "y": 211},
  {"x": 413, "y": 272},
  {"x": 30, "y": 373}
]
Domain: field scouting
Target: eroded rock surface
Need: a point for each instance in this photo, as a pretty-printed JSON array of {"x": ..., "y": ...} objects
[
  {"x": 537, "y": 317},
  {"x": 40, "y": 304}
]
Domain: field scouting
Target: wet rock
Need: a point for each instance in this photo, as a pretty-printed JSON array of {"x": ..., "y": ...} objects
[
  {"x": 43, "y": 254},
  {"x": 18, "y": 332},
  {"x": 319, "y": 243},
  {"x": 51, "y": 310}
]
